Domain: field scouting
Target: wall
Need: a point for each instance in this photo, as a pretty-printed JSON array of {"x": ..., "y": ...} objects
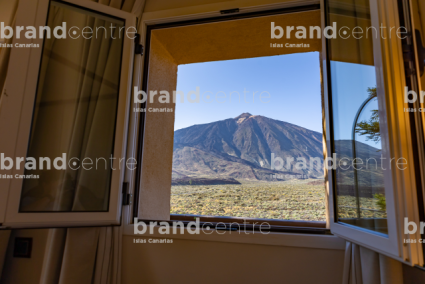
[
  {"x": 25, "y": 270},
  {"x": 413, "y": 275},
  {"x": 238, "y": 39},
  {"x": 160, "y": 5},
  {"x": 156, "y": 10},
  {"x": 4, "y": 241},
  {"x": 191, "y": 261},
  {"x": 157, "y": 158}
]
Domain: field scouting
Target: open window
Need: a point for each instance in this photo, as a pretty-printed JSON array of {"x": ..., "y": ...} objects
[
  {"x": 373, "y": 186},
  {"x": 217, "y": 149},
  {"x": 260, "y": 156},
  {"x": 65, "y": 112},
  {"x": 363, "y": 196}
]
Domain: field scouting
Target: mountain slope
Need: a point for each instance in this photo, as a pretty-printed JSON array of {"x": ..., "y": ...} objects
[{"x": 241, "y": 147}]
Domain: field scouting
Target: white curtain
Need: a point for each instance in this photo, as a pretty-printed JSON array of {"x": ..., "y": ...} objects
[
  {"x": 364, "y": 266},
  {"x": 91, "y": 255}
]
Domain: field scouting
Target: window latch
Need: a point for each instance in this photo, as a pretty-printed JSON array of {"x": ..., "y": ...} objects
[
  {"x": 126, "y": 197},
  {"x": 138, "y": 48}
]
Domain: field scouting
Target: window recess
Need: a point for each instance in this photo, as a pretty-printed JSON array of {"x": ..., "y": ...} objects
[{"x": 165, "y": 55}]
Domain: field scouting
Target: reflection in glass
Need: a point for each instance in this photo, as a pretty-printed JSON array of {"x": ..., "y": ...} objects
[
  {"x": 74, "y": 115},
  {"x": 359, "y": 178}
]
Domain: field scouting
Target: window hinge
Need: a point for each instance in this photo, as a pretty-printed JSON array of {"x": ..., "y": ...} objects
[
  {"x": 127, "y": 198},
  {"x": 138, "y": 48}
]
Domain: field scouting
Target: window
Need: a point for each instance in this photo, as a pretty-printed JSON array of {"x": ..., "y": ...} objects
[
  {"x": 70, "y": 156},
  {"x": 363, "y": 129},
  {"x": 210, "y": 170},
  {"x": 249, "y": 148},
  {"x": 72, "y": 98},
  {"x": 75, "y": 116}
]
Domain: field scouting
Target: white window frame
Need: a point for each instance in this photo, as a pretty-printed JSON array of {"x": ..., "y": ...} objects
[
  {"x": 17, "y": 111},
  {"x": 399, "y": 185}
]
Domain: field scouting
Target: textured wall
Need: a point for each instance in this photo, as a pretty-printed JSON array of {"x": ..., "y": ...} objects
[
  {"x": 236, "y": 39},
  {"x": 157, "y": 160}
]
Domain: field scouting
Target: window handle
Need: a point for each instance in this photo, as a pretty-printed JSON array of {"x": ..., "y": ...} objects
[
  {"x": 126, "y": 196},
  {"x": 138, "y": 48}
]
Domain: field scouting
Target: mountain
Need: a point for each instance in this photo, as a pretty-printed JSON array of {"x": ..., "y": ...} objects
[
  {"x": 242, "y": 148},
  {"x": 370, "y": 174}
]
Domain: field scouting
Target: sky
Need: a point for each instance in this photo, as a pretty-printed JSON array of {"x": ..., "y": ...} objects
[
  {"x": 289, "y": 86},
  {"x": 349, "y": 90}
]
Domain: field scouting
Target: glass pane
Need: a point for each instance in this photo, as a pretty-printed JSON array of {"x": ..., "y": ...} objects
[
  {"x": 74, "y": 114},
  {"x": 359, "y": 180}
]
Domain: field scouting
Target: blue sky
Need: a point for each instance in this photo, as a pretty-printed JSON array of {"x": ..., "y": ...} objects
[
  {"x": 349, "y": 90},
  {"x": 293, "y": 82}
]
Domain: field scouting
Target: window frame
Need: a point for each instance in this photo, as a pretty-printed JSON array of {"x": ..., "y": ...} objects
[
  {"x": 415, "y": 82},
  {"x": 399, "y": 185},
  {"x": 24, "y": 67},
  {"x": 351, "y": 232},
  {"x": 294, "y": 226}
]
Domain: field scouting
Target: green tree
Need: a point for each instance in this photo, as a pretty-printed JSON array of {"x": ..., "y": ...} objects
[
  {"x": 381, "y": 202},
  {"x": 370, "y": 127}
]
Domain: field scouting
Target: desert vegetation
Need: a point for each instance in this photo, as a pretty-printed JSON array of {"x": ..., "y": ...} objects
[
  {"x": 285, "y": 200},
  {"x": 290, "y": 200},
  {"x": 228, "y": 168},
  {"x": 369, "y": 207}
]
